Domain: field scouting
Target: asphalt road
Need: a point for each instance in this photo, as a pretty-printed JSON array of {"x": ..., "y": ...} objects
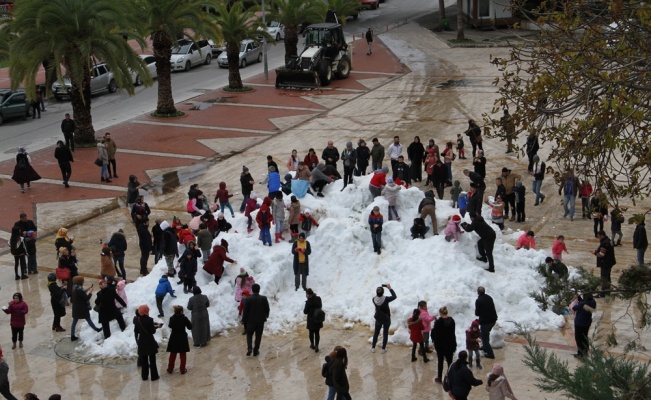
[{"x": 109, "y": 109}]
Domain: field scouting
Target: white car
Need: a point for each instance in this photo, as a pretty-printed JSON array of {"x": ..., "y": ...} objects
[
  {"x": 276, "y": 30},
  {"x": 250, "y": 52},
  {"x": 186, "y": 54},
  {"x": 151, "y": 67}
]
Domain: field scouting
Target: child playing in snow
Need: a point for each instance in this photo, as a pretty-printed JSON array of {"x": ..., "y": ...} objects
[
  {"x": 559, "y": 247},
  {"x": 390, "y": 192},
  {"x": 427, "y": 324},
  {"x": 497, "y": 211},
  {"x": 418, "y": 230},
  {"x": 278, "y": 212},
  {"x": 430, "y": 161},
  {"x": 473, "y": 338},
  {"x": 164, "y": 287},
  {"x": 415, "y": 325},
  {"x": 204, "y": 241},
  {"x": 264, "y": 220},
  {"x": 185, "y": 235},
  {"x": 463, "y": 202},
  {"x": 293, "y": 220},
  {"x": 222, "y": 224},
  {"x": 375, "y": 221},
  {"x": 519, "y": 191},
  {"x": 119, "y": 290},
  {"x": 223, "y": 197},
  {"x": 245, "y": 295},
  {"x": 243, "y": 282},
  {"x": 188, "y": 267},
  {"x": 251, "y": 205},
  {"x": 527, "y": 241},
  {"x": 455, "y": 191},
  {"x": 452, "y": 230},
  {"x": 462, "y": 155},
  {"x": 307, "y": 221}
]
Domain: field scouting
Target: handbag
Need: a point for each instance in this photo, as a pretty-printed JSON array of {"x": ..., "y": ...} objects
[
  {"x": 63, "y": 274},
  {"x": 142, "y": 329},
  {"x": 98, "y": 162}
]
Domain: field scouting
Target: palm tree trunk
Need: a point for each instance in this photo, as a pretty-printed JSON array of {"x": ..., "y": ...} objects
[
  {"x": 80, "y": 100},
  {"x": 441, "y": 10},
  {"x": 233, "y": 53},
  {"x": 162, "y": 44},
  {"x": 460, "y": 22},
  {"x": 291, "y": 43}
]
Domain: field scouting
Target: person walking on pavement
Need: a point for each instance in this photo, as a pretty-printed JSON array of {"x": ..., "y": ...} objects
[
  {"x": 382, "y": 316},
  {"x": 538, "y": 173},
  {"x": 102, "y": 155},
  {"x": 532, "y": 147},
  {"x": 394, "y": 151},
  {"x": 4, "y": 379},
  {"x": 461, "y": 378},
  {"x": 377, "y": 155},
  {"x": 330, "y": 155},
  {"x": 254, "y": 314},
  {"x": 313, "y": 308},
  {"x": 487, "y": 316},
  {"x": 583, "y": 309},
  {"x": 198, "y": 305},
  {"x": 445, "y": 341},
  {"x": 570, "y": 188},
  {"x": 640, "y": 241},
  {"x": 178, "y": 342},
  {"x": 24, "y": 173},
  {"x": 369, "y": 41},
  {"x": 147, "y": 345},
  {"x": 63, "y": 155},
  {"x": 509, "y": 179},
  {"x": 111, "y": 149},
  {"x": 68, "y": 130},
  {"x": 36, "y": 105},
  {"x": 605, "y": 261}
]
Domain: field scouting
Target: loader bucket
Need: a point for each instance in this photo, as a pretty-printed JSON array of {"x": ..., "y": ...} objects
[{"x": 297, "y": 79}]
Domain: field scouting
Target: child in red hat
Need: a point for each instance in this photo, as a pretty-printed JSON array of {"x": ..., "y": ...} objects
[{"x": 452, "y": 230}]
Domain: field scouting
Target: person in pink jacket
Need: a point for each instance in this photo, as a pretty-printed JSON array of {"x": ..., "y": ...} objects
[
  {"x": 427, "y": 323},
  {"x": 243, "y": 282},
  {"x": 17, "y": 308},
  {"x": 452, "y": 230},
  {"x": 122, "y": 293},
  {"x": 527, "y": 241}
]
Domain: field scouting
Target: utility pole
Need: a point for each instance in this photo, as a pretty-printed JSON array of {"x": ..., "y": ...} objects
[{"x": 264, "y": 45}]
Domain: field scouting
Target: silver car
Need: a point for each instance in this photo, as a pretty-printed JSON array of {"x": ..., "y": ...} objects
[
  {"x": 250, "y": 52},
  {"x": 101, "y": 79},
  {"x": 151, "y": 67}
]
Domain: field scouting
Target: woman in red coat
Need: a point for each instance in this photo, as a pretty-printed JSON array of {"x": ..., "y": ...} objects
[
  {"x": 215, "y": 263},
  {"x": 415, "y": 325},
  {"x": 17, "y": 309}
]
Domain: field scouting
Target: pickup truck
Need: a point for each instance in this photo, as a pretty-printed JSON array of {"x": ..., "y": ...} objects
[
  {"x": 13, "y": 105},
  {"x": 186, "y": 54},
  {"x": 101, "y": 79}
]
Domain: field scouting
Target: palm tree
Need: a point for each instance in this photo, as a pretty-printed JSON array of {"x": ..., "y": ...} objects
[
  {"x": 165, "y": 21},
  {"x": 460, "y": 33},
  {"x": 71, "y": 35},
  {"x": 293, "y": 13},
  {"x": 236, "y": 24}
]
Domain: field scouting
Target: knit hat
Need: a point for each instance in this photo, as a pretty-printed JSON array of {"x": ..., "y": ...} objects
[
  {"x": 242, "y": 272},
  {"x": 307, "y": 211},
  {"x": 51, "y": 277},
  {"x": 245, "y": 168},
  {"x": 349, "y": 145},
  {"x": 143, "y": 309},
  {"x": 224, "y": 243},
  {"x": 536, "y": 158},
  {"x": 476, "y": 323},
  {"x": 385, "y": 169},
  {"x": 389, "y": 180},
  {"x": 456, "y": 218},
  {"x": 164, "y": 225}
]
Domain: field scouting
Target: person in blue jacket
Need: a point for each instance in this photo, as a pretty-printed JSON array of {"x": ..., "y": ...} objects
[
  {"x": 273, "y": 182},
  {"x": 582, "y": 320},
  {"x": 164, "y": 287}
]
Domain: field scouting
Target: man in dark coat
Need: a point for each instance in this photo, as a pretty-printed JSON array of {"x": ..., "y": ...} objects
[
  {"x": 254, "y": 314},
  {"x": 402, "y": 171},
  {"x": 474, "y": 132},
  {"x": 605, "y": 261},
  {"x": 144, "y": 242},
  {"x": 64, "y": 157},
  {"x": 314, "y": 325},
  {"x": 25, "y": 224},
  {"x": 108, "y": 311},
  {"x": 487, "y": 316},
  {"x": 170, "y": 246},
  {"x": 640, "y": 241},
  {"x": 477, "y": 179},
  {"x": 461, "y": 378},
  {"x": 486, "y": 238},
  {"x": 68, "y": 130},
  {"x": 500, "y": 189},
  {"x": 479, "y": 164},
  {"x": 118, "y": 245},
  {"x": 301, "y": 250},
  {"x": 330, "y": 155},
  {"x": 157, "y": 236}
]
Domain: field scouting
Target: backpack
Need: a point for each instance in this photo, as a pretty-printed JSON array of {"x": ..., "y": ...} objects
[
  {"x": 569, "y": 186},
  {"x": 319, "y": 315}
]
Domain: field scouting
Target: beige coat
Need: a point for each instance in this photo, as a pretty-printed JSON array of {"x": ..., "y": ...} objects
[
  {"x": 509, "y": 182},
  {"x": 107, "y": 267},
  {"x": 294, "y": 213},
  {"x": 498, "y": 389},
  {"x": 303, "y": 174},
  {"x": 111, "y": 149}
]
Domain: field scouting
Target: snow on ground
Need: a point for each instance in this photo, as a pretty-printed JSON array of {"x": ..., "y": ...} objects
[{"x": 344, "y": 272}]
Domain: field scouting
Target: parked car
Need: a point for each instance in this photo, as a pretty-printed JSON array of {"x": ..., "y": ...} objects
[
  {"x": 275, "y": 29},
  {"x": 372, "y": 4},
  {"x": 250, "y": 52},
  {"x": 186, "y": 54},
  {"x": 217, "y": 49},
  {"x": 13, "y": 105},
  {"x": 101, "y": 79},
  {"x": 151, "y": 67}
]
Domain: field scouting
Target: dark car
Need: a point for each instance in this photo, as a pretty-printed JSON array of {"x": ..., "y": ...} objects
[{"x": 13, "y": 105}]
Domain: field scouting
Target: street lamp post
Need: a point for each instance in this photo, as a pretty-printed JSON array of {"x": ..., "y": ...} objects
[{"x": 264, "y": 45}]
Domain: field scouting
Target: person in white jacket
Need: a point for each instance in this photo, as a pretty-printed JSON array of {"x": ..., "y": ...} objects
[
  {"x": 497, "y": 385},
  {"x": 390, "y": 192}
]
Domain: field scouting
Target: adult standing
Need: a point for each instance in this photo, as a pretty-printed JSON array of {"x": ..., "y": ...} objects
[
  {"x": 605, "y": 261},
  {"x": 461, "y": 378},
  {"x": 25, "y": 224},
  {"x": 246, "y": 182},
  {"x": 377, "y": 155},
  {"x": 24, "y": 173},
  {"x": 106, "y": 304},
  {"x": 133, "y": 191},
  {"x": 107, "y": 267},
  {"x": 111, "y": 149},
  {"x": 402, "y": 172},
  {"x": 394, "y": 151},
  {"x": 4, "y": 379},
  {"x": 254, "y": 314},
  {"x": 58, "y": 299},
  {"x": 178, "y": 343},
  {"x": 339, "y": 377},
  {"x": 583, "y": 309},
  {"x": 301, "y": 250},
  {"x": 415, "y": 154},
  {"x": 118, "y": 245},
  {"x": 144, "y": 243},
  {"x": 170, "y": 246},
  {"x": 63, "y": 155},
  {"x": 640, "y": 241},
  {"x": 147, "y": 345},
  {"x": 349, "y": 159},
  {"x": 292, "y": 162},
  {"x": 81, "y": 306},
  {"x": 479, "y": 164},
  {"x": 569, "y": 187},
  {"x": 474, "y": 135},
  {"x": 311, "y": 159},
  {"x": 363, "y": 156},
  {"x": 478, "y": 180},
  {"x": 598, "y": 210},
  {"x": 19, "y": 251},
  {"x": 215, "y": 263},
  {"x": 532, "y": 146},
  {"x": 427, "y": 207},
  {"x": 330, "y": 155},
  {"x": 585, "y": 191},
  {"x": 382, "y": 316},
  {"x": 487, "y": 316},
  {"x": 35, "y": 103},
  {"x": 199, "y": 304},
  {"x": 538, "y": 173},
  {"x": 157, "y": 236},
  {"x": 313, "y": 306},
  {"x": 68, "y": 130},
  {"x": 369, "y": 41},
  {"x": 509, "y": 179},
  {"x": 445, "y": 340},
  {"x": 102, "y": 155}
]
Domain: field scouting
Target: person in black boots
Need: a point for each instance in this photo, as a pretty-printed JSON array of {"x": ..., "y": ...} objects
[
  {"x": 461, "y": 378},
  {"x": 68, "y": 130},
  {"x": 314, "y": 311},
  {"x": 415, "y": 154},
  {"x": 486, "y": 238},
  {"x": 254, "y": 314},
  {"x": 445, "y": 341},
  {"x": 58, "y": 301},
  {"x": 382, "y": 316},
  {"x": 147, "y": 345},
  {"x": 487, "y": 316},
  {"x": 605, "y": 261},
  {"x": 584, "y": 308},
  {"x": 106, "y": 308},
  {"x": 145, "y": 244},
  {"x": 64, "y": 157}
]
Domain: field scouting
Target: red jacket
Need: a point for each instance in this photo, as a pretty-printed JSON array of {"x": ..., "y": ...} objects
[
  {"x": 215, "y": 263},
  {"x": 222, "y": 194},
  {"x": 415, "y": 331},
  {"x": 17, "y": 311},
  {"x": 379, "y": 179},
  {"x": 185, "y": 235},
  {"x": 264, "y": 210}
]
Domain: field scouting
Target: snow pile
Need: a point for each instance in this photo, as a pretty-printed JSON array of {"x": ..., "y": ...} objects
[{"x": 344, "y": 272}]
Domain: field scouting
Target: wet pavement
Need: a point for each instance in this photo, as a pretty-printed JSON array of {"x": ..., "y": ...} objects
[{"x": 413, "y": 84}]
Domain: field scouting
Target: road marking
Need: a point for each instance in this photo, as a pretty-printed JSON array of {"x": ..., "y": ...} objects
[
  {"x": 159, "y": 154},
  {"x": 214, "y": 128},
  {"x": 315, "y": 110},
  {"x": 74, "y": 184}
]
